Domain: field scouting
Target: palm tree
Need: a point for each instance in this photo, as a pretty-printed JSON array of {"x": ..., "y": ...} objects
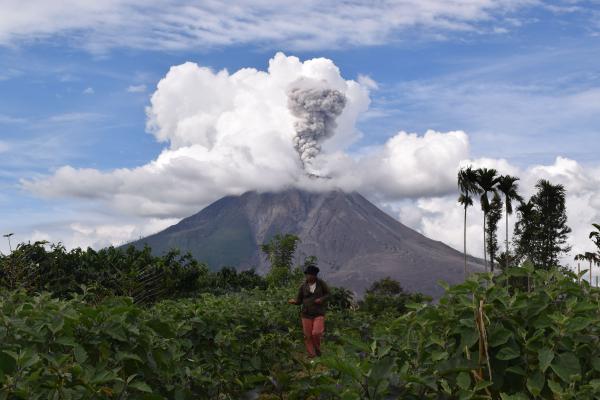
[
  {"x": 467, "y": 184},
  {"x": 595, "y": 235},
  {"x": 580, "y": 257},
  {"x": 487, "y": 178},
  {"x": 507, "y": 185},
  {"x": 593, "y": 259}
]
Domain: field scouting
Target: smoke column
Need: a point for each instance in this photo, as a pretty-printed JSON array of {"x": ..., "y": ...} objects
[{"x": 316, "y": 109}]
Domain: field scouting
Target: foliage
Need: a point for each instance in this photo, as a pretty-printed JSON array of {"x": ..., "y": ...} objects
[
  {"x": 525, "y": 333},
  {"x": 467, "y": 184},
  {"x": 541, "y": 230},
  {"x": 280, "y": 250},
  {"x": 387, "y": 296},
  {"x": 486, "y": 179},
  {"x": 228, "y": 280},
  {"x": 508, "y": 186},
  {"x": 486, "y": 339},
  {"x": 340, "y": 299},
  {"x": 493, "y": 216},
  {"x": 110, "y": 271},
  {"x": 595, "y": 236}
]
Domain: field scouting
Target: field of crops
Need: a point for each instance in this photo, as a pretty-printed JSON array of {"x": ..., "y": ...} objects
[{"x": 527, "y": 334}]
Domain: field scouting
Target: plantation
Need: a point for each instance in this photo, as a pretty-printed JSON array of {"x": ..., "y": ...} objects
[{"x": 526, "y": 333}]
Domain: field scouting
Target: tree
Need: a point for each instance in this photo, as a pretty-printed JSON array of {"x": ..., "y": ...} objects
[
  {"x": 595, "y": 236},
  {"x": 582, "y": 257},
  {"x": 541, "y": 230},
  {"x": 280, "y": 253},
  {"x": 280, "y": 250},
  {"x": 494, "y": 215},
  {"x": 487, "y": 179},
  {"x": 593, "y": 259},
  {"x": 467, "y": 185},
  {"x": 550, "y": 203},
  {"x": 387, "y": 296},
  {"x": 508, "y": 186},
  {"x": 525, "y": 231},
  {"x": 505, "y": 260}
]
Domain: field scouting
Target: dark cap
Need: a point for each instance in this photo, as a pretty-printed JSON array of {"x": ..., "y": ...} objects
[{"x": 311, "y": 270}]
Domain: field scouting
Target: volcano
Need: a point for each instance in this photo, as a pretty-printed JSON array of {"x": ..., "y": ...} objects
[{"x": 356, "y": 243}]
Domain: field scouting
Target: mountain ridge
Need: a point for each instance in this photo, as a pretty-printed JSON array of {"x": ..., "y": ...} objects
[{"x": 355, "y": 242}]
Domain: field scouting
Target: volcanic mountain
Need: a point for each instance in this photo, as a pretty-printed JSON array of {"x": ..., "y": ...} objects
[{"x": 355, "y": 242}]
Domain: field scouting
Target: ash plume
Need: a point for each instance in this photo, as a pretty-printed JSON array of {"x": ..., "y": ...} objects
[{"x": 316, "y": 108}]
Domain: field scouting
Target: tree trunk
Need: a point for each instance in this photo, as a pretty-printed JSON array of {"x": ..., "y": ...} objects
[
  {"x": 590, "y": 273},
  {"x": 578, "y": 272},
  {"x": 465, "y": 241},
  {"x": 506, "y": 258},
  {"x": 484, "y": 244}
]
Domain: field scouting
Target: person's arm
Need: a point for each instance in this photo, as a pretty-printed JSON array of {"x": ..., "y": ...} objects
[{"x": 326, "y": 292}]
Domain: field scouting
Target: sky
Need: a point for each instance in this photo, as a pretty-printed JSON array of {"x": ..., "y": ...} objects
[{"x": 118, "y": 118}]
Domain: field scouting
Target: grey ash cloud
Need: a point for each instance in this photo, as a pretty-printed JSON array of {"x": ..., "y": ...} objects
[{"x": 316, "y": 108}]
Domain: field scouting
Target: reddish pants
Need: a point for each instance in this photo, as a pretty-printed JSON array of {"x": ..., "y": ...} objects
[{"x": 313, "y": 331}]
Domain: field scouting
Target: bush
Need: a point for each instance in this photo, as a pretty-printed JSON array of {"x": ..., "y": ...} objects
[{"x": 387, "y": 296}]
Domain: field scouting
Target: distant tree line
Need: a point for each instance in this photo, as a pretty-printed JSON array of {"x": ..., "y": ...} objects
[
  {"x": 146, "y": 278},
  {"x": 541, "y": 230}
]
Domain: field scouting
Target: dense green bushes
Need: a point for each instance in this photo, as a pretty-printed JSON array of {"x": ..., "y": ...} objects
[
  {"x": 206, "y": 348},
  {"x": 522, "y": 334},
  {"x": 485, "y": 339},
  {"x": 117, "y": 272}
]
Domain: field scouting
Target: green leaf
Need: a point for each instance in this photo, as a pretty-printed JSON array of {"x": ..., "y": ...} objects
[
  {"x": 578, "y": 323},
  {"x": 566, "y": 365},
  {"x": 499, "y": 337},
  {"x": 482, "y": 385},
  {"x": 463, "y": 380},
  {"x": 382, "y": 368},
  {"x": 80, "y": 354},
  {"x": 596, "y": 363},
  {"x": 121, "y": 355},
  {"x": 516, "y": 369},
  {"x": 141, "y": 386},
  {"x": 7, "y": 363},
  {"x": 535, "y": 383},
  {"x": 507, "y": 353},
  {"x": 555, "y": 387},
  {"x": 439, "y": 355},
  {"x": 545, "y": 357}
]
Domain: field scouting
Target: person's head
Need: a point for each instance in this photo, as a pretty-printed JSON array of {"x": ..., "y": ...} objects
[{"x": 310, "y": 273}]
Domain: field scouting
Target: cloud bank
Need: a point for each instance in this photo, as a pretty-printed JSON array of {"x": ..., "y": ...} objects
[
  {"x": 167, "y": 25},
  {"x": 227, "y": 133}
]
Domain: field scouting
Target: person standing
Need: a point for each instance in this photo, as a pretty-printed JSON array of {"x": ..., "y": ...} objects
[{"x": 312, "y": 296}]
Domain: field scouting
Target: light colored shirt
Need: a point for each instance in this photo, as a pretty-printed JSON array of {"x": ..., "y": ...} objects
[{"x": 312, "y": 287}]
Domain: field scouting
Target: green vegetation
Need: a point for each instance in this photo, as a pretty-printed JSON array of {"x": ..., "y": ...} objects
[
  {"x": 541, "y": 230},
  {"x": 123, "y": 324},
  {"x": 491, "y": 337}
]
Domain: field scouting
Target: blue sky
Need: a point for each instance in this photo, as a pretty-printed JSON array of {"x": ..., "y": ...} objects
[{"x": 521, "y": 78}]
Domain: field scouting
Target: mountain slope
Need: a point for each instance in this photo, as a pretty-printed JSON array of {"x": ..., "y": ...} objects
[{"x": 356, "y": 243}]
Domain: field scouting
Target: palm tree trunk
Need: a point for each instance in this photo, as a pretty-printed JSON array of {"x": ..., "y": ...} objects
[
  {"x": 506, "y": 258},
  {"x": 590, "y": 273},
  {"x": 578, "y": 272},
  {"x": 465, "y": 241},
  {"x": 484, "y": 244}
]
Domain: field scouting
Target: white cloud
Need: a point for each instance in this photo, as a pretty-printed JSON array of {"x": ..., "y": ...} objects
[
  {"x": 89, "y": 90},
  {"x": 7, "y": 119},
  {"x": 310, "y": 24},
  {"x": 232, "y": 132},
  {"x": 229, "y": 133},
  {"x": 136, "y": 88}
]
